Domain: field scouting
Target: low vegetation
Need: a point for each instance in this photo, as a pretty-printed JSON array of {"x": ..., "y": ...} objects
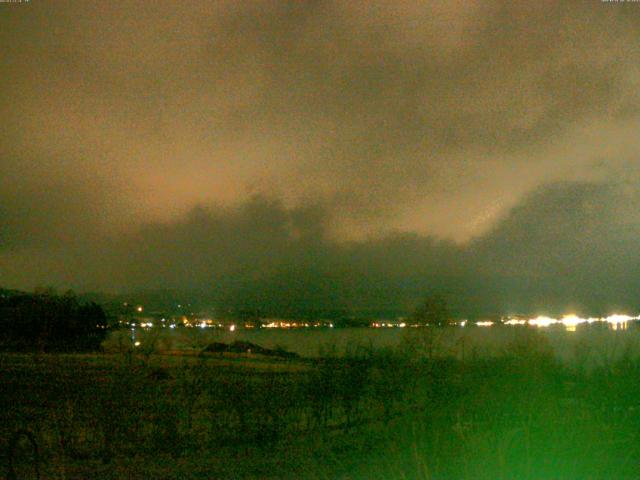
[{"x": 366, "y": 414}]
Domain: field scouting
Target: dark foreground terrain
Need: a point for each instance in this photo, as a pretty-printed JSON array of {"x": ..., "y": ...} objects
[{"x": 385, "y": 414}]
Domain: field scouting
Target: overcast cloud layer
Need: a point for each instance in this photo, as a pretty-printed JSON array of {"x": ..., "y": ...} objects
[{"x": 329, "y": 153}]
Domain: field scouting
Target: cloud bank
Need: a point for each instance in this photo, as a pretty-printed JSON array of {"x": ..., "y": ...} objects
[{"x": 566, "y": 247}]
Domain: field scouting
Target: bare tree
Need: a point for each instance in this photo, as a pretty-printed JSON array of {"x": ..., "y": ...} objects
[{"x": 433, "y": 310}]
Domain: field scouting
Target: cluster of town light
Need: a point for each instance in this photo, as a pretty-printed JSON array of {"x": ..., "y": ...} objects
[
  {"x": 208, "y": 323},
  {"x": 617, "y": 321},
  {"x": 287, "y": 324},
  {"x": 570, "y": 322}
]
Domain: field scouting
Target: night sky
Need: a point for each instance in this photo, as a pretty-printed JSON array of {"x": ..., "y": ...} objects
[{"x": 326, "y": 154}]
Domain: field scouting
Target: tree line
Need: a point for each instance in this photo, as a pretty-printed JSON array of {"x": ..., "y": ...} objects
[{"x": 45, "y": 321}]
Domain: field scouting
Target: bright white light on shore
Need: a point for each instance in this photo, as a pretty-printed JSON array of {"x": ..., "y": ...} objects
[
  {"x": 232, "y": 328},
  {"x": 572, "y": 320},
  {"x": 137, "y": 344},
  {"x": 203, "y": 325},
  {"x": 462, "y": 323},
  {"x": 616, "y": 318},
  {"x": 514, "y": 321},
  {"x": 484, "y": 324},
  {"x": 139, "y": 309},
  {"x": 542, "y": 321}
]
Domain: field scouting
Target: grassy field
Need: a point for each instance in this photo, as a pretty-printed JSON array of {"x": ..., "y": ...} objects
[{"x": 366, "y": 414}]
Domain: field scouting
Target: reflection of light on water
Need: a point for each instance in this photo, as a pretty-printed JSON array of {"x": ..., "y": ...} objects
[{"x": 619, "y": 322}]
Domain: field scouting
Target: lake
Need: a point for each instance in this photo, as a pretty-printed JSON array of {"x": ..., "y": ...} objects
[{"x": 596, "y": 343}]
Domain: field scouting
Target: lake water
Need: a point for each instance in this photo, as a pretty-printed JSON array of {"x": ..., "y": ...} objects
[{"x": 597, "y": 343}]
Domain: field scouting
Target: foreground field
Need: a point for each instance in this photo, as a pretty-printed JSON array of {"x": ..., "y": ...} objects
[{"x": 367, "y": 414}]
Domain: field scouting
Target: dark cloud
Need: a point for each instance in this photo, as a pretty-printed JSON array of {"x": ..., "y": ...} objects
[
  {"x": 264, "y": 254},
  {"x": 565, "y": 247},
  {"x": 570, "y": 245}
]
